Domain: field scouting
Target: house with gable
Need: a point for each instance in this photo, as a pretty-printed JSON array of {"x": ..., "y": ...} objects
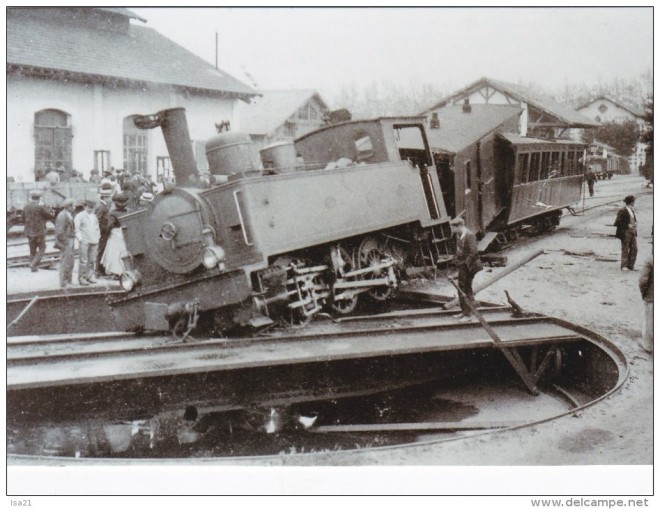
[
  {"x": 542, "y": 116},
  {"x": 604, "y": 110},
  {"x": 282, "y": 115},
  {"x": 77, "y": 76}
]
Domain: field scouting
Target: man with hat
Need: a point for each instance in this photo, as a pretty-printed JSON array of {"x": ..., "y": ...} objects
[
  {"x": 468, "y": 264},
  {"x": 94, "y": 177},
  {"x": 146, "y": 199},
  {"x": 102, "y": 211},
  {"x": 65, "y": 235},
  {"x": 626, "y": 231},
  {"x": 52, "y": 176},
  {"x": 35, "y": 217},
  {"x": 88, "y": 234}
]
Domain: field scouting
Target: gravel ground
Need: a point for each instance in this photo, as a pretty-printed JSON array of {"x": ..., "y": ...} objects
[{"x": 577, "y": 279}]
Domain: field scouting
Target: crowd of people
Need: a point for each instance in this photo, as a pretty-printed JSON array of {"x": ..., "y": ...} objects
[{"x": 92, "y": 224}]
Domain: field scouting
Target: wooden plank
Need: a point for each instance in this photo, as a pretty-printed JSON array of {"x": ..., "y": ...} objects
[{"x": 415, "y": 426}]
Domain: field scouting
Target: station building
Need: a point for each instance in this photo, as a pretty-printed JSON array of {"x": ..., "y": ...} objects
[{"x": 76, "y": 77}]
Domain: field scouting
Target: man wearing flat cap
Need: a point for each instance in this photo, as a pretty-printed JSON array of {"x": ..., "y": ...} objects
[
  {"x": 35, "y": 217},
  {"x": 468, "y": 264},
  {"x": 88, "y": 234},
  {"x": 626, "y": 231}
]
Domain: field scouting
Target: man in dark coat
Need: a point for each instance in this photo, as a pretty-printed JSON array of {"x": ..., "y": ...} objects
[
  {"x": 35, "y": 217},
  {"x": 102, "y": 211},
  {"x": 590, "y": 177},
  {"x": 468, "y": 264},
  {"x": 626, "y": 231}
]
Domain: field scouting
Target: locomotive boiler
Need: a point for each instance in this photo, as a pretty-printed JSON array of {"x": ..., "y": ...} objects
[{"x": 354, "y": 211}]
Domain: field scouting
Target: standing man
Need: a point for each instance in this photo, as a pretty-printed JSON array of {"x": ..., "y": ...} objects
[
  {"x": 35, "y": 217},
  {"x": 88, "y": 234},
  {"x": 646, "y": 288},
  {"x": 102, "y": 211},
  {"x": 626, "y": 230},
  {"x": 52, "y": 176},
  {"x": 65, "y": 234},
  {"x": 591, "y": 180},
  {"x": 468, "y": 263}
]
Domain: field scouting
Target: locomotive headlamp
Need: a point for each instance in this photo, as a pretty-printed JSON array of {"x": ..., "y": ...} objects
[
  {"x": 130, "y": 279},
  {"x": 213, "y": 256},
  {"x": 168, "y": 231}
]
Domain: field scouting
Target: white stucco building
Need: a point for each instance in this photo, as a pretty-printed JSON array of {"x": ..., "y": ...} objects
[
  {"x": 605, "y": 110},
  {"x": 77, "y": 76}
]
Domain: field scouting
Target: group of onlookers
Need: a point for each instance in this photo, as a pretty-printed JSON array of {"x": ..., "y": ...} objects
[{"x": 95, "y": 228}]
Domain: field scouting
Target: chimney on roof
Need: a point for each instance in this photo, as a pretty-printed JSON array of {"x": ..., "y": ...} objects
[
  {"x": 467, "y": 107},
  {"x": 435, "y": 121}
]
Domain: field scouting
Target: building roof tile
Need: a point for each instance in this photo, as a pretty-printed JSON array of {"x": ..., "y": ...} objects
[{"x": 140, "y": 54}]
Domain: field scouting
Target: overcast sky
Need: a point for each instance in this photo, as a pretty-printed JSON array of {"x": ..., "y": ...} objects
[{"x": 327, "y": 48}]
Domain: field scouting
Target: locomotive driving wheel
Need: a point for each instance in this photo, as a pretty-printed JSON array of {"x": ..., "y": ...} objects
[
  {"x": 347, "y": 304},
  {"x": 372, "y": 253}
]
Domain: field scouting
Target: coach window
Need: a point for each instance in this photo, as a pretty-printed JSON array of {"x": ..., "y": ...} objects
[
  {"x": 52, "y": 135},
  {"x": 570, "y": 170},
  {"x": 545, "y": 166},
  {"x": 468, "y": 176},
  {"x": 364, "y": 149},
  {"x": 521, "y": 170},
  {"x": 554, "y": 164},
  {"x": 534, "y": 167}
]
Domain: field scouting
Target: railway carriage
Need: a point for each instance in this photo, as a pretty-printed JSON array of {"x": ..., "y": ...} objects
[
  {"x": 505, "y": 184},
  {"x": 18, "y": 195}
]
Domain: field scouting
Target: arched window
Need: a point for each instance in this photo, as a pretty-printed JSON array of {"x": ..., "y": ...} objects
[
  {"x": 136, "y": 147},
  {"x": 52, "y": 140}
]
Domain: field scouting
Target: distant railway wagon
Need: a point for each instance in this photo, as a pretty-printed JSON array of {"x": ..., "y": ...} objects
[
  {"x": 506, "y": 183},
  {"x": 607, "y": 167},
  {"x": 18, "y": 194}
]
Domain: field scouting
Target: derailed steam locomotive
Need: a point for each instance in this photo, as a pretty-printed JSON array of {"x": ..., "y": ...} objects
[{"x": 346, "y": 213}]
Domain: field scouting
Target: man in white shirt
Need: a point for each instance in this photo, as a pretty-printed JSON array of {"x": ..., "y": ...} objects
[{"x": 88, "y": 234}]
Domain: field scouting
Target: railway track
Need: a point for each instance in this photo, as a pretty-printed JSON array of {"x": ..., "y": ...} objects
[
  {"x": 98, "y": 358},
  {"x": 366, "y": 381},
  {"x": 49, "y": 259}
]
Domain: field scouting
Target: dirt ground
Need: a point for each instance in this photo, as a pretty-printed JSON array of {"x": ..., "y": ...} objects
[{"x": 577, "y": 279}]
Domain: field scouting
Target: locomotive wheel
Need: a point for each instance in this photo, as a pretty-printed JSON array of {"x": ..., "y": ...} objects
[
  {"x": 345, "y": 306},
  {"x": 180, "y": 328},
  {"x": 295, "y": 318},
  {"x": 370, "y": 254}
]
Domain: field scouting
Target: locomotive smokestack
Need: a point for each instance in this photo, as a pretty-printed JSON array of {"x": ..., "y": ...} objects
[{"x": 177, "y": 138}]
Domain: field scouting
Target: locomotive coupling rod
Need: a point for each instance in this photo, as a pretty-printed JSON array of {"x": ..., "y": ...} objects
[
  {"x": 511, "y": 354},
  {"x": 477, "y": 288}
]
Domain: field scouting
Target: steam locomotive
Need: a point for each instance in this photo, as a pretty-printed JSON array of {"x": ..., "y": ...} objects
[{"x": 345, "y": 214}]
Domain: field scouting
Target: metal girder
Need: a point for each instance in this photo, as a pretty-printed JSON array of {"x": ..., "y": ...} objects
[{"x": 511, "y": 354}]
